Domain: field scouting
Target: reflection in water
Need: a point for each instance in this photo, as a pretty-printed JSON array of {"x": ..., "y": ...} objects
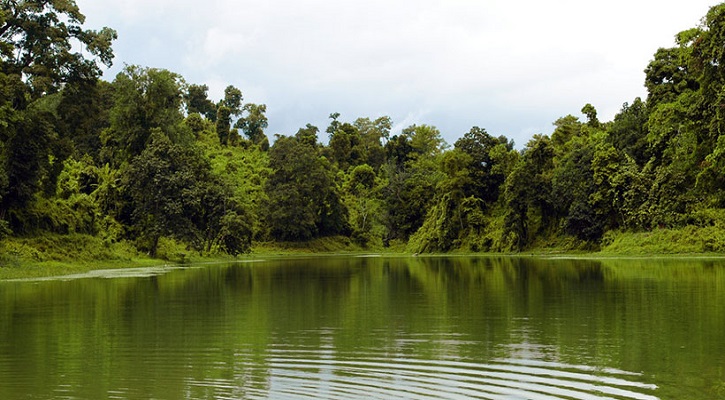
[{"x": 336, "y": 327}]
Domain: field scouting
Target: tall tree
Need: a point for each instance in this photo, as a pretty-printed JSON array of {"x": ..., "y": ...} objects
[
  {"x": 254, "y": 123},
  {"x": 173, "y": 193},
  {"x": 145, "y": 99},
  {"x": 304, "y": 200},
  {"x": 485, "y": 179},
  {"x": 42, "y": 47},
  {"x": 197, "y": 101},
  {"x": 38, "y": 41}
]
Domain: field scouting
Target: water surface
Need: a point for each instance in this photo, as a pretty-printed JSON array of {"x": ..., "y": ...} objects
[{"x": 371, "y": 327}]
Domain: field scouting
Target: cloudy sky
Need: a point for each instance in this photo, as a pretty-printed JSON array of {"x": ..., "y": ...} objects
[{"x": 509, "y": 66}]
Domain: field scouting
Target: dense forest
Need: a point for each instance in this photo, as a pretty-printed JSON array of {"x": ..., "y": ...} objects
[{"x": 149, "y": 157}]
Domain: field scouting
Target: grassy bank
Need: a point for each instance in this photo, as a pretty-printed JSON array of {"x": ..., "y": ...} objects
[
  {"x": 686, "y": 240},
  {"x": 52, "y": 255},
  {"x": 55, "y": 255}
]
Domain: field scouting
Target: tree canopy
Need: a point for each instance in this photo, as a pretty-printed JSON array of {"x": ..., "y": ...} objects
[{"x": 148, "y": 157}]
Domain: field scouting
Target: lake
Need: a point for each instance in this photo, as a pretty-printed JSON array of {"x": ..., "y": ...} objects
[{"x": 359, "y": 327}]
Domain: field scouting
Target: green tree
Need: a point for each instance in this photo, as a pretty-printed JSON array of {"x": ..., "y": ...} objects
[
  {"x": 372, "y": 135},
  {"x": 345, "y": 145},
  {"x": 40, "y": 45},
  {"x": 223, "y": 124},
  {"x": 25, "y": 161},
  {"x": 83, "y": 113},
  {"x": 628, "y": 132},
  {"x": 566, "y": 128},
  {"x": 409, "y": 191},
  {"x": 308, "y": 135},
  {"x": 232, "y": 100},
  {"x": 364, "y": 204},
  {"x": 145, "y": 99},
  {"x": 197, "y": 101},
  {"x": 304, "y": 200},
  {"x": 485, "y": 179},
  {"x": 446, "y": 221},
  {"x": 173, "y": 193},
  {"x": 529, "y": 206},
  {"x": 591, "y": 113},
  {"x": 572, "y": 187},
  {"x": 426, "y": 140},
  {"x": 254, "y": 123}
]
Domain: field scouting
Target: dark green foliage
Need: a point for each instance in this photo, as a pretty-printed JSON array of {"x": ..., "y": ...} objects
[
  {"x": 144, "y": 99},
  {"x": 628, "y": 131},
  {"x": 572, "y": 187},
  {"x": 38, "y": 39},
  {"x": 223, "y": 124},
  {"x": 197, "y": 102},
  {"x": 408, "y": 194},
  {"x": 304, "y": 201},
  {"x": 485, "y": 180},
  {"x": 530, "y": 207},
  {"x": 345, "y": 145},
  {"x": 399, "y": 151},
  {"x": 173, "y": 193},
  {"x": 84, "y": 112},
  {"x": 308, "y": 135},
  {"x": 25, "y": 160}
]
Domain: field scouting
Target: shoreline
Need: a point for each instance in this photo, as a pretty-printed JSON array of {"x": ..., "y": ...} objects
[{"x": 24, "y": 270}]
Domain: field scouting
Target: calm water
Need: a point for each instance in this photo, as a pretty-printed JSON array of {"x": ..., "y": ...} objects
[{"x": 371, "y": 327}]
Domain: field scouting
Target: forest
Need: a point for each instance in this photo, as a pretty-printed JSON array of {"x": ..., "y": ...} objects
[{"x": 149, "y": 158}]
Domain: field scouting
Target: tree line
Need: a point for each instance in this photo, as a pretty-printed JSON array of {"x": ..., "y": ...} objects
[{"x": 149, "y": 156}]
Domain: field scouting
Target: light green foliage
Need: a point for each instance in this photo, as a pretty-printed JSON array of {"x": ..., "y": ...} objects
[
  {"x": 245, "y": 171},
  {"x": 566, "y": 128},
  {"x": 425, "y": 140},
  {"x": 591, "y": 113},
  {"x": 621, "y": 187},
  {"x": 686, "y": 240}
]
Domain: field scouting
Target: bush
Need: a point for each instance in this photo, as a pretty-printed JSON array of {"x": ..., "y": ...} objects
[{"x": 689, "y": 239}]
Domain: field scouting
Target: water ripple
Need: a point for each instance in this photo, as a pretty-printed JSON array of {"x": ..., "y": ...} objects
[{"x": 301, "y": 375}]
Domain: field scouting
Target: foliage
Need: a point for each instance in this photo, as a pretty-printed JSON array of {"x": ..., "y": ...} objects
[
  {"x": 38, "y": 41},
  {"x": 304, "y": 200},
  {"x": 145, "y": 99},
  {"x": 151, "y": 159},
  {"x": 173, "y": 193}
]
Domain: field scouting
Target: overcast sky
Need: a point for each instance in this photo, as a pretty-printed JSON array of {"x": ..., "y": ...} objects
[{"x": 510, "y": 66}]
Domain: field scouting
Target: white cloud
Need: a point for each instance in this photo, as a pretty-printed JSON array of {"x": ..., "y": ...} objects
[{"x": 515, "y": 65}]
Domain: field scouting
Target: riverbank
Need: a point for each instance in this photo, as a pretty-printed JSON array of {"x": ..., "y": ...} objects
[{"x": 56, "y": 255}]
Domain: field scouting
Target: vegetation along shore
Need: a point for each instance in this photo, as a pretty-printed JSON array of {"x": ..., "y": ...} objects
[{"x": 147, "y": 167}]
